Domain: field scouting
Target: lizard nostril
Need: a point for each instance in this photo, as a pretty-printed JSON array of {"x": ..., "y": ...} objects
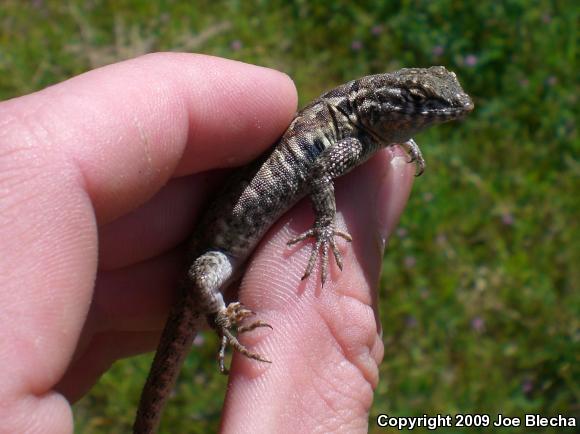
[
  {"x": 465, "y": 102},
  {"x": 468, "y": 104}
]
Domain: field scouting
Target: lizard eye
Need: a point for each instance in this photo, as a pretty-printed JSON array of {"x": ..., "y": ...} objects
[{"x": 416, "y": 95}]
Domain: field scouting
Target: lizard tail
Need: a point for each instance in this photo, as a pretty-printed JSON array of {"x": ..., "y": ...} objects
[{"x": 176, "y": 339}]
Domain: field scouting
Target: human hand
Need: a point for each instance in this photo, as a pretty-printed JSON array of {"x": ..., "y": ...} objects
[{"x": 102, "y": 177}]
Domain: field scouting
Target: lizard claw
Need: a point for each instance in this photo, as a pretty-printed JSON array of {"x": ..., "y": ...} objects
[
  {"x": 416, "y": 156},
  {"x": 325, "y": 238},
  {"x": 228, "y": 318}
]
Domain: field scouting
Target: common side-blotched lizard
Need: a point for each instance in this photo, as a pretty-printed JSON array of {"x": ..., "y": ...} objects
[{"x": 329, "y": 137}]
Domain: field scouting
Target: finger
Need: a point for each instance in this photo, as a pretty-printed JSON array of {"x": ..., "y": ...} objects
[
  {"x": 135, "y": 298},
  {"x": 157, "y": 226},
  {"x": 92, "y": 149},
  {"x": 126, "y": 317},
  {"x": 129, "y": 126},
  {"x": 325, "y": 346},
  {"x": 98, "y": 357}
]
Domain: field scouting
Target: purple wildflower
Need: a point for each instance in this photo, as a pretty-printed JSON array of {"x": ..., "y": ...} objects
[
  {"x": 401, "y": 232},
  {"x": 377, "y": 30},
  {"x": 356, "y": 45},
  {"x": 478, "y": 324},
  {"x": 410, "y": 261},
  {"x": 437, "y": 50},
  {"x": 411, "y": 321},
  {"x": 507, "y": 219},
  {"x": 527, "y": 386},
  {"x": 236, "y": 45},
  {"x": 471, "y": 60}
]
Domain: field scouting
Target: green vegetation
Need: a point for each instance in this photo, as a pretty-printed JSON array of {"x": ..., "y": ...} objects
[{"x": 479, "y": 295}]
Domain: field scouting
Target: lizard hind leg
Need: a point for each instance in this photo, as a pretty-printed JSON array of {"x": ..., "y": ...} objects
[
  {"x": 227, "y": 318},
  {"x": 209, "y": 275}
]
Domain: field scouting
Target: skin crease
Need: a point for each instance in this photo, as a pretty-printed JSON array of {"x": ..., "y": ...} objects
[{"x": 104, "y": 174}]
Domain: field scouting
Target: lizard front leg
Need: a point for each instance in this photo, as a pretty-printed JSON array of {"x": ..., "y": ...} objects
[
  {"x": 333, "y": 162},
  {"x": 416, "y": 156}
]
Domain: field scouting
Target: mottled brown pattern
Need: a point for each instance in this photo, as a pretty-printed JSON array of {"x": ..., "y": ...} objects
[{"x": 327, "y": 138}]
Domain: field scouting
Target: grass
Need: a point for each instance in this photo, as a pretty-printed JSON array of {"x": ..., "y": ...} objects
[{"x": 479, "y": 293}]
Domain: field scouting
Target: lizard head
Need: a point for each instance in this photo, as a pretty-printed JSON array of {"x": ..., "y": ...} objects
[{"x": 412, "y": 99}]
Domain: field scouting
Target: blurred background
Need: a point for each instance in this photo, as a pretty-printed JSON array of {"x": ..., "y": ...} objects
[{"x": 480, "y": 298}]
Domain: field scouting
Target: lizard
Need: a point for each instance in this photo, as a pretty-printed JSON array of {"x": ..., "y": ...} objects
[{"x": 336, "y": 132}]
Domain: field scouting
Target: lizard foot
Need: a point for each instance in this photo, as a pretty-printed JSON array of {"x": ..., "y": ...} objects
[
  {"x": 324, "y": 236},
  {"x": 416, "y": 155},
  {"x": 228, "y": 318}
]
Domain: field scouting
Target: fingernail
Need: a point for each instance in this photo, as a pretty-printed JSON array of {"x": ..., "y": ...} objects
[{"x": 393, "y": 192}]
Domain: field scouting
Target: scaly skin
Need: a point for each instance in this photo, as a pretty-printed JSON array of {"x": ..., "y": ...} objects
[{"x": 336, "y": 132}]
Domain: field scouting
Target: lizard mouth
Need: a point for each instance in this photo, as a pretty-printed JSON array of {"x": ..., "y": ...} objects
[
  {"x": 460, "y": 109},
  {"x": 437, "y": 110}
]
